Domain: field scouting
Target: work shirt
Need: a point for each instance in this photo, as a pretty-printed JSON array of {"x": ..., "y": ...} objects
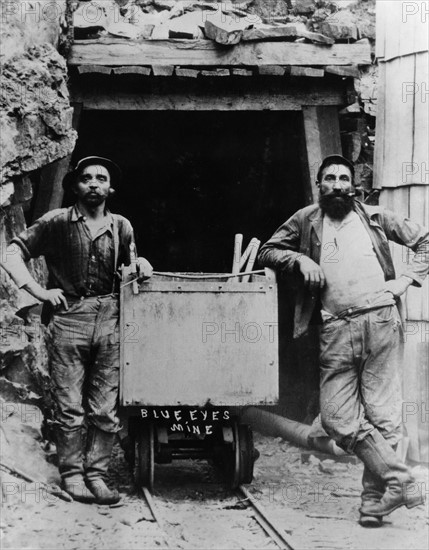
[
  {"x": 352, "y": 271},
  {"x": 79, "y": 264},
  {"x": 302, "y": 234}
]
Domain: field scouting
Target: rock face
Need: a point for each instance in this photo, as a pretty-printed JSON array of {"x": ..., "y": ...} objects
[
  {"x": 36, "y": 117},
  {"x": 35, "y": 129},
  {"x": 35, "y": 112}
]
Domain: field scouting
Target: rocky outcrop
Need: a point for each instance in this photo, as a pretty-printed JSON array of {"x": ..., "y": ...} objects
[
  {"x": 35, "y": 129},
  {"x": 36, "y": 116}
]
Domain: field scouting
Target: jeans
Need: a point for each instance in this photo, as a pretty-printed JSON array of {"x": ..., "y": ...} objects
[
  {"x": 83, "y": 353},
  {"x": 360, "y": 383}
]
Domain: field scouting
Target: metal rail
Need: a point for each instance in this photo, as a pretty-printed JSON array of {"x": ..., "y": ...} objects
[{"x": 276, "y": 534}]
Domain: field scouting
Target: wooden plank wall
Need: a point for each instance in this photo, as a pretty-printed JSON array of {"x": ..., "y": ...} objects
[
  {"x": 401, "y": 172},
  {"x": 401, "y": 28},
  {"x": 403, "y": 103},
  {"x": 402, "y": 122}
]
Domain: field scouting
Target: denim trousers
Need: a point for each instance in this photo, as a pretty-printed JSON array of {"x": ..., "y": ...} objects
[
  {"x": 83, "y": 354},
  {"x": 360, "y": 381}
]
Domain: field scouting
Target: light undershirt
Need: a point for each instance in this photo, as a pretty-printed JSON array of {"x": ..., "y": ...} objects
[{"x": 354, "y": 276}]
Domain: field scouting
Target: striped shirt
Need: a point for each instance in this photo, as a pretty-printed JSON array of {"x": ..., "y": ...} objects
[{"x": 79, "y": 264}]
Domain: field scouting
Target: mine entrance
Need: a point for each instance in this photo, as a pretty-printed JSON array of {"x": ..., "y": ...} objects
[{"x": 194, "y": 179}]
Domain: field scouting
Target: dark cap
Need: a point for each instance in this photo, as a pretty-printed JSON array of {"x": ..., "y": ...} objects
[
  {"x": 335, "y": 159},
  {"x": 113, "y": 169}
]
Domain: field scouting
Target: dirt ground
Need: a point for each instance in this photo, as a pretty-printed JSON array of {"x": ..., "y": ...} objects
[{"x": 314, "y": 499}]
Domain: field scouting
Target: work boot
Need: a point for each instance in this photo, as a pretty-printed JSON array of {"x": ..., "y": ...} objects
[
  {"x": 70, "y": 465},
  {"x": 373, "y": 491},
  {"x": 99, "y": 448},
  {"x": 400, "y": 489}
]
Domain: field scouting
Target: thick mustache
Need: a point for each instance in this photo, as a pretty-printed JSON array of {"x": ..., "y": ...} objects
[{"x": 340, "y": 194}]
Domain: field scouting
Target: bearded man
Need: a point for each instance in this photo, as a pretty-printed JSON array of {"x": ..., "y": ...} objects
[{"x": 340, "y": 250}]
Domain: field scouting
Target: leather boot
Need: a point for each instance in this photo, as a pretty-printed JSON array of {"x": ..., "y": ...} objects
[
  {"x": 99, "y": 449},
  {"x": 70, "y": 464},
  {"x": 400, "y": 489},
  {"x": 373, "y": 491}
]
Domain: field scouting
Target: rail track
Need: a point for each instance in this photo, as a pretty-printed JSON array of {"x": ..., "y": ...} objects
[{"x": 260, "y": 515}]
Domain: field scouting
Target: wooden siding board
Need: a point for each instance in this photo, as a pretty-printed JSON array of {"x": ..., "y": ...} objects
[
  {"x": 380, "y": 130},
  {"x": 401, "y": 28},
  {"x": 415, "y": 389},
  {"x": 396, "y": 116},
  {"x": 421, "y": 120},
  {"x": 399, "y": 122},
  {"x": 402, "y": 123},
  {"x": 418, "y": 298},
  {"x": 397, "y": 200}
]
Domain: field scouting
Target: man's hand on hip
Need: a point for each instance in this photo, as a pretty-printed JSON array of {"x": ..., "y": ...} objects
[
  {"x": 314, "y": 277},
  {"x": 398, "y": 286},
  {"x": 55, "y": 296}
]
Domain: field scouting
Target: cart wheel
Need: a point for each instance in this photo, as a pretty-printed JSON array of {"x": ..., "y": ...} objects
[
  {"x": 145, "y": 442},
  {"x": 247, "y": 457}
]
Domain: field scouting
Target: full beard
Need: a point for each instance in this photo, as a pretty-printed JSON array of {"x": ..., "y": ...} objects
[{"x": 336, "y": 206}]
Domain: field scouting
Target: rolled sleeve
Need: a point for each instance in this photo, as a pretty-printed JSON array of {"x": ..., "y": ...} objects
[
  {"x": 281, "y": 251},
  {"x": 34, "y": 241}
]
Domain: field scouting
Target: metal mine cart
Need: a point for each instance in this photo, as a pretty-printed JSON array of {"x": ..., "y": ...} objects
[{"x": 194, "y": 350}]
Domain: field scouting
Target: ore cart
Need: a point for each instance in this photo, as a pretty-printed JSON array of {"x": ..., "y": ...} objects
[{"x": 195, "y": 350}]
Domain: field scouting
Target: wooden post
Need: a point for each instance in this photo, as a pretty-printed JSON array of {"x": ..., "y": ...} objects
[{"x": 321, "y": 137}]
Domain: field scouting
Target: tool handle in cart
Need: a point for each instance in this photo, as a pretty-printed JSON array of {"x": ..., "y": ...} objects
[{"x": 133, "y": 263}]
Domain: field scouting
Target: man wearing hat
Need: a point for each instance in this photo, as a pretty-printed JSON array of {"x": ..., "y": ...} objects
[
  {"x": 339, "y": 250},
  {"x": 83, "y": 246}
]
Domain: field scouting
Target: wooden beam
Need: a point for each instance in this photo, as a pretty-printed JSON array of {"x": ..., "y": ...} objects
[
  {"x": 101, "y": 69},
  {"x": 205, "y": 94},
  {"x": 132, "y": 69},
  {"x": 241, "y": 72},
  {"x": 163, "y": 70},
  {"x": 216, "y": 72},
  {"x": 321, "y": 138},
  {"x": 343, "y": 70},
  {"x": 116, "y": 51},
  {"x": 272, "y": 70},
  {"x": 306, "y": 71},
  {"x": 187, "y": 73}
]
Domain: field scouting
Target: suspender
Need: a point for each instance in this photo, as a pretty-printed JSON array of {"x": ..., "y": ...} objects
[{"x": 116, "y": 249}]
